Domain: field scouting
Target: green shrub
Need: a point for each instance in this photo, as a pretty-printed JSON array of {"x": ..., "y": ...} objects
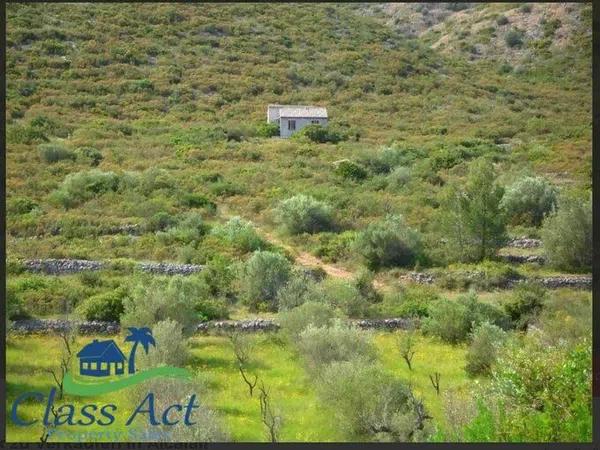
[
  {"x": 92, "y": 154},
  {"x": 502, "y": 20},
  {"x": 20, "y": 205},
  {"x": 525, "y": 304},
  {"x": 321, "y": 346},
  {"x": 52, "y": 153},
  {"x": 548, "y": 388},
  {"x": 529, "y": 200},
  {"x": 298, "y": 290},
  {"x": 333, "y": 247},
  {"x": 453, "y": 320},
  {"x": 566, "y": 316},
  {"x": 370, "y": 403},
  {"x": 159, "y": 222},
  {"x": 15, "y": 310},
  {"x": 267, "y": 129},
  {"x": 399, "y": 177},
  {"x": 389, "y": 243},
  {"x": 82, "y": 186},
  {"x": 304, "y": 214},
  {"x": 154, "y": 299},
  {"x": 191, "y": 200},
  {"x": 345, "y": 297},
  {"x": 171, "y": 347},
  {"x": 320, "y": 134},
  {"x": 413, "y": 301},
  {"x": 240, "y": 234},
  {"x": 482, "y": 352},
  {"x": 107, "y": 306},
  {"x": 514, "y": 38},
  {"x": 567, "y": 235},
  {"x": 350, "y": 170},
  {"x": 296, "y": 320},
  {"x": 263, "y": 275},
  {"x": 189, "y": 228},
  {"x": 211, "y": 309}
]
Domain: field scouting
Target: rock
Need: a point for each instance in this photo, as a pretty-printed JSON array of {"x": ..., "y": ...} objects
[
  {"x": 65, "y": 266},
  {"x": 169, "y": 268},
  {"x": 522, "y": 259},
  {"x": 60, "y": 266},
  {"x": 418, "y": 277},
  {"x": 43, "y": 326},
  {"x": 524, "y": 242}
]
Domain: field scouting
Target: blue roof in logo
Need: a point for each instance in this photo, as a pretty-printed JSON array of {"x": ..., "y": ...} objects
[{"x": 102, "y": 350}]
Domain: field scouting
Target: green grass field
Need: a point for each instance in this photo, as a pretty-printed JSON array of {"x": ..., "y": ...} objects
[{"x": 281, "y": 369}]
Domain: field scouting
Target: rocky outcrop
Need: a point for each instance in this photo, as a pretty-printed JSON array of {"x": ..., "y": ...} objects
[
  {"x": 66, "y": 266},
  {"x": 524, "y": 242}
]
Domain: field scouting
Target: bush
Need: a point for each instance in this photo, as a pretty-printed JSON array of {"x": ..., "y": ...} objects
[
  {"x": 529, "y": 200},
  {"x": 525, "y": 304},
  {"x": 189, "y": 228},
  {"x": 567, "y": 235},
  {"x": 295, "y": 321},
  {"x": 82, "y": 186},
  {"x": 502, "y": 20},
  {"x": 154, "y": 299},
  {"x": 211, "y": 309},
  {"x": 370, "y": 403},
  {"x": 548, "y": 389},
  {"x": 304, "y": 214},
  {"x": 399, "y": 177},
  {"x": 482, "y": 352},
  {"x": 452, "y": 321},
  {"x": 171, "y": 347},
  {"x": 389, "y": 243},
  {"x": 240, "y": 234},
  {"x": 107, "y": 306},
  {"x": 14, "y": 306},
  {"x": 413, "y": 301},
  {"x": 566, "y": 317},
  {"x": 321, "y": 346},
  {"x": 20, "y": 205},
  {"x": 191, "y": 200},
  {"x": 267, "y": 130},
  {"x": 297, "y": 291},
  {"x": 345, "y": 297},
  {"x": 319, "y": 134},
  {"x": 92, "y": 154},
  {"x": 263, "y": 275},
  {"x": 514, "y": 38},
  {"x": 350, "y": 170},
  {"x": 333, "y": 247},
  {"x": 52, "y": 153}
]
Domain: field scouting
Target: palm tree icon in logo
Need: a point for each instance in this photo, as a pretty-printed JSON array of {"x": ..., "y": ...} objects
[{"x": 138, "y": 336}]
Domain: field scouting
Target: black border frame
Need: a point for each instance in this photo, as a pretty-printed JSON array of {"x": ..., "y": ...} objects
[{"x": 595, "y": 444}]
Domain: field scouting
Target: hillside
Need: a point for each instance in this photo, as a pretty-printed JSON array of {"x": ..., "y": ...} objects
[{"x": 137, "y": 84}]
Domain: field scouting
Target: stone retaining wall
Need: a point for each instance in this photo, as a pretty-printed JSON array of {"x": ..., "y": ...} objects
[
  {"x": 66, "y": 266},
  {"x": 45, "y": 326},
  {"x": 524, "y": 242}
]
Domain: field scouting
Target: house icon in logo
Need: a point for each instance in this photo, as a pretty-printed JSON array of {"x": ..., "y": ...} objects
[
  {"x": 101, "y": 359},
  {"x": 104, "y": 358}
]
